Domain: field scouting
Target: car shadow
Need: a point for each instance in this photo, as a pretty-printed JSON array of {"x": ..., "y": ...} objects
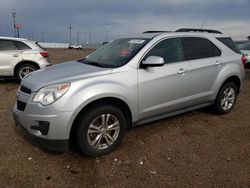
[
  {"x": 9, "y": 80},
  {"x": 33, "y": 142},
  {"x": 247, "y": 71}
]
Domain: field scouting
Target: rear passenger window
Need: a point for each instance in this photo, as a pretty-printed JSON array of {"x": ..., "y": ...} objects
[
  {"x": 199, "y": 48},
  {"x": 170, "y": 50},
  {"x": 7, "y": 45},
  {"x": 22, "y": 46}
]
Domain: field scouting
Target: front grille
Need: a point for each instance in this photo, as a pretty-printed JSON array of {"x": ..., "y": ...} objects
[
  {"x": 25, "y": 90},
  {"x": 21, "y": 105}
]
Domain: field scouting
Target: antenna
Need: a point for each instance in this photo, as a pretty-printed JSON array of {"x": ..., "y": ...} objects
[{"x": 203, "y": 23}]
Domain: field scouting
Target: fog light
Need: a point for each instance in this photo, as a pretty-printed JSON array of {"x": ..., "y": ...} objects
[{"x": 43, "y": 128}]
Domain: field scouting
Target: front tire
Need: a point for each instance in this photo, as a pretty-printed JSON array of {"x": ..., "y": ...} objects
[
  {"x": 226, "y": 98},
  {"x": 24, "y": 70},
  {"x": 100, "y": 130}
]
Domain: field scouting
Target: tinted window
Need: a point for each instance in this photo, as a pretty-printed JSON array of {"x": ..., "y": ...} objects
[
  {"x": 229, "y": 43},
  {"x": 7, "y": 45},
  {"x": 170, "y": 50},
  {"x": 199, "y": 48},
  {"x": 21, "y": 46},
  {"x": 245, "y": 46}
]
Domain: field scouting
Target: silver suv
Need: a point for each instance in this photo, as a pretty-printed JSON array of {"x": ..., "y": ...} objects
[
  {"x": 128, "y": 82},
  {"x": 19, "y": 57}
]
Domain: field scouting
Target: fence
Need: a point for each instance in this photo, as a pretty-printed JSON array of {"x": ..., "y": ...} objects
[{"x": 66, "y": 45}]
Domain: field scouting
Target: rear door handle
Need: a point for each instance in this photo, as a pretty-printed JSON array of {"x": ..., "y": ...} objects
[
  {"x": 218, "y": 63},
  {"x": 15, "y": 55},
  {"x": 182, "y": 71}
]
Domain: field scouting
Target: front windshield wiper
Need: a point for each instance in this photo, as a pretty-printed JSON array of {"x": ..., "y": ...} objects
[
  {"x": 90, "y": 63},
  {"x": 85, "y": 61}
]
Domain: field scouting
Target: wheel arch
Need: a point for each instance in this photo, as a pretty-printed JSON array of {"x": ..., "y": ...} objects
[
  {"x": 23, "y": 63},
  {"x": 119, "y": 103},
  {"x": 232, "y": 78}
]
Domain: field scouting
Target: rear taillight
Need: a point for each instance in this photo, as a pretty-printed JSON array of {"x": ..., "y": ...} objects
[
  {"x": 243, "y": 59},
  {"x": 44, "y": 54}
]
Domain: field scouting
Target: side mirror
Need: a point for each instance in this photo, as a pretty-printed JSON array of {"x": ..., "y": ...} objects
[{"x": 153, "y": 61}]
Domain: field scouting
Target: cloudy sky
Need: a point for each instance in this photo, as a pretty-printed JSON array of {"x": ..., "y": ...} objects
[{"x": 105, "y": 19}]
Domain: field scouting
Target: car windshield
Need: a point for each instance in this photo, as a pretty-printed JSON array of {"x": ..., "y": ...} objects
[
  {"x": 245, "y": 46},
  {"x": 116, "y": 53}
]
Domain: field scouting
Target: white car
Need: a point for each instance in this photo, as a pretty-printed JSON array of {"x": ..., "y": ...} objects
[
  {"x": 75, "y": 46},
  {"x": 19, "y": 57},
  {"x": 245, "y": 49}
]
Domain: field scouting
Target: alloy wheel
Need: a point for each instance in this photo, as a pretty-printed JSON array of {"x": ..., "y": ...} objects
[
  {"x": 103, "y": 131},
  {"x": 228, "y": 98}
]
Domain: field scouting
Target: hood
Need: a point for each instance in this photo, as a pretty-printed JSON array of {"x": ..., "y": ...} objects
[{"x": 64, "y": 72}]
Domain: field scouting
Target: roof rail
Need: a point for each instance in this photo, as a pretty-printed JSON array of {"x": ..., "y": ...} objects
[
  {"x": 157, "y": 31},
  {"x": 198, "y": 30}
]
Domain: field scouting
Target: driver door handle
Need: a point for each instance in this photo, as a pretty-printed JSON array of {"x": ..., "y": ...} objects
[{"x": 182, "y": 71}]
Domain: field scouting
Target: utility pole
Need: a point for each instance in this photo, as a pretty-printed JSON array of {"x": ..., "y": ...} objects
[
  {"x": 14, "y": 20},
  {"x": 90, "y": 36},
  {"x": 107, "y": 35},
  {"x": 70, "y": 29},
  {"x": 85, "y": 37},
  {"x": 77, "y": 36}
]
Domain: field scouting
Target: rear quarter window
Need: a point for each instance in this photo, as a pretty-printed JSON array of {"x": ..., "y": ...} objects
[
  {"x": 229, "y": 43},
  {"x": 22, "y": 46}
]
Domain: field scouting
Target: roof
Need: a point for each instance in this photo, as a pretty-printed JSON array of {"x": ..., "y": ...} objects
[
  {"x": 13, "y": 38},
  {"x": 169, "y": 34},
  {"x": 179, "y": 32}
]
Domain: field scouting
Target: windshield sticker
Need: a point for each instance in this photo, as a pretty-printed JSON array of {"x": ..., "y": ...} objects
[{"x": 136, "y": 41}]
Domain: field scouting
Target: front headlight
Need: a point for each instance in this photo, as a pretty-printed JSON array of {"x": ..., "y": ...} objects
[{"x": 50, "y": 94}]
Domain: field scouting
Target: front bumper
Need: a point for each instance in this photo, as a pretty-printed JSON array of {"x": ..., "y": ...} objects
[{"x": 47, "y": 126}]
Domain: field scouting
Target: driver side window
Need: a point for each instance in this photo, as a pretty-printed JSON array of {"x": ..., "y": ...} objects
[{"x": 170, "y": 50}]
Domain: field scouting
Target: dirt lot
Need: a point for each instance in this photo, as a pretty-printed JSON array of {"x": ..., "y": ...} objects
[{"x": 196, "y": 149}]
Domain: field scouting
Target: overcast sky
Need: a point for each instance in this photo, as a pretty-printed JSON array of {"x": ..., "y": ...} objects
[{"x": 106, "y": 19}]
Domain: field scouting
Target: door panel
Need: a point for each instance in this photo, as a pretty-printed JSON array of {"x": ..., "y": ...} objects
[
  {"x": 9, "y": 56},
  {"x": 205, "y": 64},
  {"x": 203, "y": 74},
  {"x": 162, "y": 89},
  {"x": 8, "y": 59}
]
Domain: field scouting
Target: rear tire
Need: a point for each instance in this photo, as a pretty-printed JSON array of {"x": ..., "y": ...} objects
[
  {"x": 226, "y": 98},
  {"x": 24, "y": 70},
  {"x": 100, "y": 130}
]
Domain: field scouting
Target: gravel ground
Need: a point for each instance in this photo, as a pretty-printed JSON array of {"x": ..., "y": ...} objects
[{"x": 196, "y": 149}]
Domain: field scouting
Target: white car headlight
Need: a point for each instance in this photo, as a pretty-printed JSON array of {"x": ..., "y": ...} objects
[{"x": 50, "y": 94}]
